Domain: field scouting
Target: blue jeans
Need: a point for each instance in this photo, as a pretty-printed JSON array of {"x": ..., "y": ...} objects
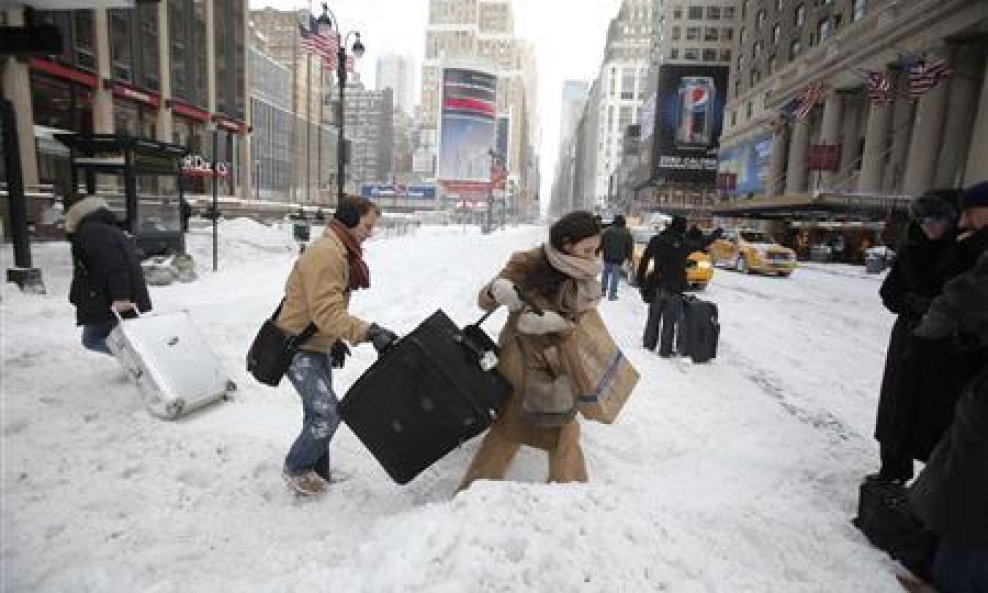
[
  {"x": 94, "y": 336},
  {"x": 960, "y": 570},
  {"x": 609, "y": 279},
  {"x": 310, "y": 373},
  {"x": 666, "y": 308}
]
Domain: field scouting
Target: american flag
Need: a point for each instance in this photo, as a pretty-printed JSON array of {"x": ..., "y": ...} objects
[
  {"x": 322, "y": 45},
  {"x": 923, "y": 76},
  {"x": 808, "y": 97},
  {"x": 879, "y": 86}
]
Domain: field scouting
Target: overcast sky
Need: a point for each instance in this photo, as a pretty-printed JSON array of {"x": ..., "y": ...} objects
[{"x": 568, "y": 36}]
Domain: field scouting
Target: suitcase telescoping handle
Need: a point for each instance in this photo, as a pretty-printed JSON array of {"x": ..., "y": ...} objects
[{"x": 131, "y": 313}]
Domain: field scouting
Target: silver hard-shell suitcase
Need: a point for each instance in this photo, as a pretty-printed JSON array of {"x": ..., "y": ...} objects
[{"x": 175, "y": 369}]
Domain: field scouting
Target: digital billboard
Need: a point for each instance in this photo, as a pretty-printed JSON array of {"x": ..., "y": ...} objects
[
  {"x": 689, "y": 115},
  {"x": 747, "y": 166},
  {"x": 468, "y": 125}
]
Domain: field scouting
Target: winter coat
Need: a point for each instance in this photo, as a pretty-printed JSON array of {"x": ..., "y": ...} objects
[
  {"x": 511, "y": 360},
  {"x": 922, "y": 380},
  {"x": 317, "y": 291},
  {"x": 951, "y": 493},
  {"x": 105, "y": 264},
  {"x": 669, "y": 251},
  {"x": 616, "y": 244}
]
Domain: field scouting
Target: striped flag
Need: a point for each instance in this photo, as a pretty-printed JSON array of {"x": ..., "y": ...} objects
[
  {"x": 879, "y": 86},
  {"x": 808, "y": 97},
  {"x": 322, "y": 45},
  {"x": 923, "y": 76}
]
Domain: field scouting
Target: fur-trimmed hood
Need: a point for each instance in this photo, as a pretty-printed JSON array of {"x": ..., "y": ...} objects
[{"x": 82, "y": 209}]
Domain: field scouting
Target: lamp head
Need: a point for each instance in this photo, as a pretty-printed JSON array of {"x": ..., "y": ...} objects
[
  {"x": 358, "y": 47},
  {"x": 324, "y": 19}
]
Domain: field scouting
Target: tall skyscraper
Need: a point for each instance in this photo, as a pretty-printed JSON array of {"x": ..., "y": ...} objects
[{"x": 395, "y": 72}]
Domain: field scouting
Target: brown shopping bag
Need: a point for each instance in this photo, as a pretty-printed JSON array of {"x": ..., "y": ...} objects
[{"x": 608, "y": 377}]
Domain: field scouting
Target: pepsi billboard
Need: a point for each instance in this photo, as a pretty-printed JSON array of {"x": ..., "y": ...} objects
[{"x": 689, "y": 116}]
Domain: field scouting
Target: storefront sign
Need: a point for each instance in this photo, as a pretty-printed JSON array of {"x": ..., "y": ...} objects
[
  {"x": 196, "y": 166},
  {"x": 127, "y": 92},
  {"x": 63, "y": 72},
  {"x": 189, "y": 111},
  {"x": 229, "y": 124}
]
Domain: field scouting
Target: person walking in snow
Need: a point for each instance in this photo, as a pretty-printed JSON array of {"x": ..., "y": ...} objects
[
  {"x": 318, "y": 290},
  {"x": 559, "y": 284},
  {"x": 616, "y": 246},
  {"x": 663, "y": 288},
  {"x": 106, "y": 271},
  {"x": 950, "y": 494},
  {"x": 922, "y": 381}
]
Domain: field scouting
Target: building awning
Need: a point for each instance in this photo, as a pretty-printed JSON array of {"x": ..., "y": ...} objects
[{"x": 817, "y": 204}]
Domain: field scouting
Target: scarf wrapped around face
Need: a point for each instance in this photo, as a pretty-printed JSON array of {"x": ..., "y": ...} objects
[
  {"x": 583, "y": 291},
  {"x": 359, "y": 276}
]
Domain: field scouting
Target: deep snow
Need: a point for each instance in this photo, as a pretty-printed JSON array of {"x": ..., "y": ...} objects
[{"x": 738, "y": 475}]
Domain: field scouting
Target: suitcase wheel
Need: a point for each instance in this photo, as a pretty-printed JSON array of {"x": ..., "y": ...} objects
[
  {"x": 231, "y": 386},
  {"x": 174, "y": 408}
]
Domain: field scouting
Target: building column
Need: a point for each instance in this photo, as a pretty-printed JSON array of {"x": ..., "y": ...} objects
[
  {"x": 246, "y": 149},
  {"x": 102, "y": 96},
  {"x": 960, "y": 117},
  {"x": 777, "y": 164},
  {"x": 926, "y": 139},
  {"x": 849, "y": 157},
  {"x": 17, "y": 90},
  {"x": 977, "y": 154},
  {"x": 874, "y": 155},
  {"x": 902, "y": 117},
  {"x": 164, "y": 128},
  {"x": 830, "y": 129},
  {"x": 796, "y": 168}
]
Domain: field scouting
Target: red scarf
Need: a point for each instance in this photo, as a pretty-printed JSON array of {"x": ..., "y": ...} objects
[{"x": 359, "y": 273}]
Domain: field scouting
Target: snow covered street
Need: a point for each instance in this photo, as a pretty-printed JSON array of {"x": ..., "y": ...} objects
[{"x": 739, "y": 475}]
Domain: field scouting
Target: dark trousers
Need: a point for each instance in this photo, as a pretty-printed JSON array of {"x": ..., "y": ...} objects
[
  {"x": 665, "y": 309},
  {"x": 94, "y": 335},
  {"x": 961, "y": 570}
]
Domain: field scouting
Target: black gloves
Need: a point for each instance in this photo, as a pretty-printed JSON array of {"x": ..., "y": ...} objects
[
  {"x": 381, "y": 337},
  {"x": 338, "y": 354}
]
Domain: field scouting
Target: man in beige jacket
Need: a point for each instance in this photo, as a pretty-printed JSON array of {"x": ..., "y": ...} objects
[{"x": 318, "y": 291}]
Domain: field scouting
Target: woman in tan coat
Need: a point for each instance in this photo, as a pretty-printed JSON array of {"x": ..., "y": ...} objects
[{"x": 558, "y": 279}]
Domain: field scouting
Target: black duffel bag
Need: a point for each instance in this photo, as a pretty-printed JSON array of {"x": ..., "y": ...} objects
[
  {"x": 886, "y": 518},
  {"x": 272, "y": 351}
]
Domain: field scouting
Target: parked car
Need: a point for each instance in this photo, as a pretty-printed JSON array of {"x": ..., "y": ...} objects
[
  {"x": 750, "y": 251},
  {"x": 699, "y": 269}
]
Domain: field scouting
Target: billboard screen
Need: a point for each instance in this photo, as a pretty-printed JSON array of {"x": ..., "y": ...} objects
[
  {"x": 747, "y": 166},
  {"x": 468, "y": 125},
  {"x": 689, "y": 114}
]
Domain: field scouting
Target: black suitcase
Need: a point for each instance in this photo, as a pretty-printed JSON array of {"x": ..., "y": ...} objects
[
  {"x": 699, "y": 329},
  {"x": 887, "y": 519},
  {"x": 426, "y": 395}
]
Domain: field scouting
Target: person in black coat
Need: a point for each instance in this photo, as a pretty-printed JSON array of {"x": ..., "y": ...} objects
[
  {"x": 106, "y": 271},
  {"x": 917, "y": 275},
  {"x": 663, "y": 289},
  {"x": 951, "y": 493},
  {"x": 616, "y": 247}
]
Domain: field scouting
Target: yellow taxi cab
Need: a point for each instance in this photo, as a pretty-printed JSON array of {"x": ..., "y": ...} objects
[
  {"x": 749, "y": 251},
  {"x": 699, "y": 269}
]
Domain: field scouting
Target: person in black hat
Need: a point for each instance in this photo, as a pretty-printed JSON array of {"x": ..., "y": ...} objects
[{"x": 663, "y": 288}]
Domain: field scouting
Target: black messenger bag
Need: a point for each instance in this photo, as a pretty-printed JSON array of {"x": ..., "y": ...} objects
[{"x": 272, "y": 351}]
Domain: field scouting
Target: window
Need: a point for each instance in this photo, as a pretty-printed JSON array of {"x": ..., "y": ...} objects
[
  {"x": 823, "y": 29},
  {"x": 713, "y": 13},
  {"x": 755, "y": 77},
  {"x": 747, "y": 110},
  {"x": 677, "y": 13},
  {"x": 711, "y": 34},
  {"x": 674, "y": 53},
  {"x": 778, "y": 5},
  {"x": 740, "y": 62},
  {"x": 120, "y": 50},
  {"x": 693, "y": 33},
  {"x": 744, "y": 9},
  {"x": 728, "y": 12},
  {"x": 776, "y": 33},
  {"x": 694, "y": 13},
  {"x": 628, "y": 76},
  {"x": 734, "y": 118},
  {"x": 692, "y": 54},
  {"x": 756, "y": 50},
  {"x": 771, "y": 65},
  {"x": 793, "y": 49},
  {"x": 727, "y": 34},
  {"x": 709, "y": 55},
  {"x": 613, "y": 81},
  {"x": 725, "y": 55},
  {"x": 737, "y": 88},
  {"x": 624, "y": 119},
  {"x": 760, "y": 20},
  {"x": 858, "y": 9},
  {"x": 675, "y": 33},
  {"x": 800, "y": 15},
  {"x": 741, "y": 35}
]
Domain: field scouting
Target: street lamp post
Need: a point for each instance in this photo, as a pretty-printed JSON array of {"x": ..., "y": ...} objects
[
  {"x": 257, "y": 179},
  {"x": 328, "y": 19}
]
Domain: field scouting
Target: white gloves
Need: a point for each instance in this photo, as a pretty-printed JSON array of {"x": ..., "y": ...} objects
[
  {"x": 546, "y": 323},
  {"x": 505, "y": 294}
]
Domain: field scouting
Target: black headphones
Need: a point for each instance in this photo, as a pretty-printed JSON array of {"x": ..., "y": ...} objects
[{"x": 348, "y": 213}]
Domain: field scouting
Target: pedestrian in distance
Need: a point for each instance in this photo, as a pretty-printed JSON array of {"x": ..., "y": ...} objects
[
  {"x": 318, "y": 290},
  {"x": 616, "y": 246},
  {"x": 547, "y": 291},
  {"x": 106, "y": 271},
  {"x": 663, "y": 288}
]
